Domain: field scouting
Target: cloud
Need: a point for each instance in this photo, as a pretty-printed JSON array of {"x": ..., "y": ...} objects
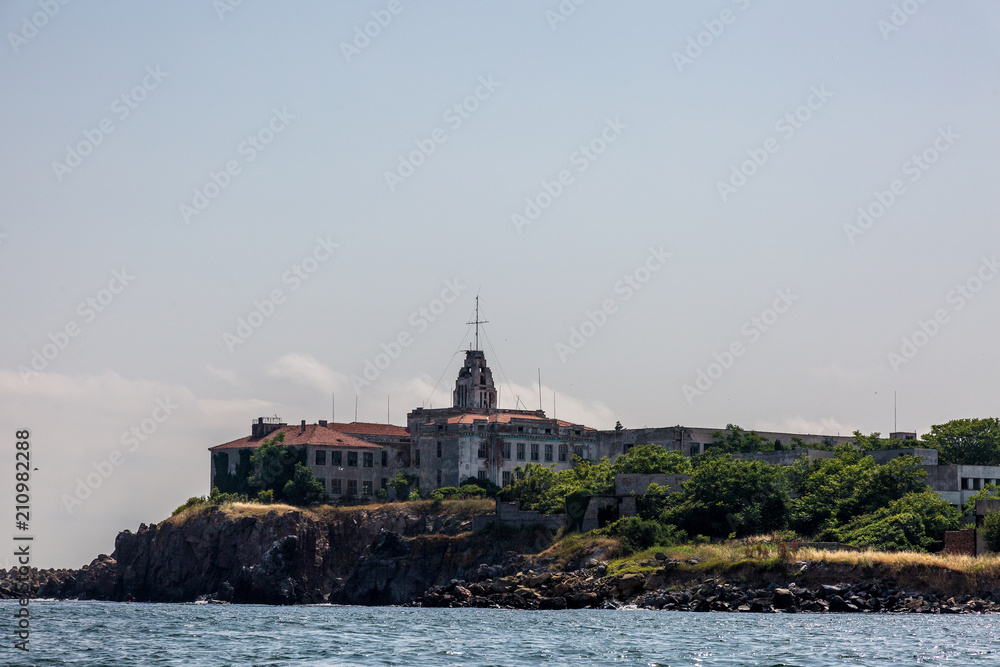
[
  {"x": 306, "y": 370},
  {"x": 227, "y": 375}
]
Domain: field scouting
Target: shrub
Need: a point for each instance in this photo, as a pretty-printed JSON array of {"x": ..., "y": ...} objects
[
  {"x": 265, "y": 497},
  {"x": 991, "y": 531},
  {"x": 414, "y": 494},
  {"x": 637, "y": 534},
  {"x": 191, "y": 502}
]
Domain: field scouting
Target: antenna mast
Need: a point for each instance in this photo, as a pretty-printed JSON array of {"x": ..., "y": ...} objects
[{"x": 477, "y": 322}]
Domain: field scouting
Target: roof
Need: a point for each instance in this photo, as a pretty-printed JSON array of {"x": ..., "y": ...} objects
[
  {"x": 506, "y": 418},
  {"x": 368, "y": 428},
  {"x": 295, "y": 435}
]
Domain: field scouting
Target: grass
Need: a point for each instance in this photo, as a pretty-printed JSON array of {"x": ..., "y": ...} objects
[{"x": 464, "y": 507}]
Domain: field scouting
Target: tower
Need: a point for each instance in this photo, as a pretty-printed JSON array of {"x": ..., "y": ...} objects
[{"x": 474, "y": 386}]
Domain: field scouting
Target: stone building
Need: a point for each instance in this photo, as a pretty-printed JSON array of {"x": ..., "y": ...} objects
[
  {"x": 691, "y": 440},
  {"x": 474, "y": 438},
  {"x": 347, "y": 465}
]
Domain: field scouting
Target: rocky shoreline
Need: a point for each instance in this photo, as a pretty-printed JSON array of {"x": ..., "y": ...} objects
[
  {"x": 590, "y": 590},
  {"x": 423, "y": 556}
]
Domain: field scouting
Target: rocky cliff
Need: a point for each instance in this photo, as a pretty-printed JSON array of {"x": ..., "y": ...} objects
[{"x": 256, "y": 554}]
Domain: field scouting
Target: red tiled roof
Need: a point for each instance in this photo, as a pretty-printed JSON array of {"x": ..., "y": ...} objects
[
  {"x": 368, "y": 428},
  {"x": 313, "y": 434}
]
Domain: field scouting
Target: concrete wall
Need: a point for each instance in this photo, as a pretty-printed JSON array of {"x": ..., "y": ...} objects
[
  {"x": 510, "y": 514},
  {"x": 928, "y": 457},
  {"x": 626, "y": 485},
  {"x": 957, "y": 483}
]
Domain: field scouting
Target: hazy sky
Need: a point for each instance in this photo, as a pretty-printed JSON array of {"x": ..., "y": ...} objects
[{"x": 682, "y": 212}]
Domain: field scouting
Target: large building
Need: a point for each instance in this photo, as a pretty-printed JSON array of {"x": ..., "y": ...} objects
[{"x": 474, "y": 438}]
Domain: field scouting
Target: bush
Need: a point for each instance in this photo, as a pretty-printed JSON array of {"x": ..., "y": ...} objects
[
  {"x": 414, "y": 494},
  {"x": 265, "y": 497},
  {"x": 991, "y": 531},
  {"x": 444, "y": 493},
  {"x": 637, "y": 534},
  {"x": 191, "y": 502},
  {"x": 916, "y": 522}
]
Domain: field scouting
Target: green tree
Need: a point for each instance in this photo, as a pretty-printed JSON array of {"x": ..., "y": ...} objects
[
  {"x": 833, "y": 491},
  {"x": 726, "y": 495},
  {"x": 915, "y": 522},
  {"x": 966, "y": 441},
  {"x": 988, "y": 492},
  {"x": 991, "y": 531},
  {"x": 651, "y": 459},
  {"x": 736, "y": 441},
  {"x": 400, "y": 484},
  {"x": 303, "y": 489},
  {"x": 273, "y": 466}
]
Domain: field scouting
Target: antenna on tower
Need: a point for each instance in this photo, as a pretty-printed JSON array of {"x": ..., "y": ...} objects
[{"x": 477, "y": 322}]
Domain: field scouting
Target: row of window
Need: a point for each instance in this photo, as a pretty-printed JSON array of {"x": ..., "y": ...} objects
[
  {"x": 535, "y": 451},
  {"x": 337, "y": 458},
  {"x": 482, "y": 474},
  {"x": 337, "y": 486}
]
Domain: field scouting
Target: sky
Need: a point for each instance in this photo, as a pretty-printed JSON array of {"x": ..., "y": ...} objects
[{"x": 780, "y": 215}]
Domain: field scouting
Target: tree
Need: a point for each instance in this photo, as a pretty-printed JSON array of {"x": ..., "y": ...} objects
[
  {"x": 726, "y": 495},
  {"x": 915, "y": 522},
  {"x": 833, "y": 491},
  {"x": 651, "y": 459},
  {"x": 966, "y": 441},
  {"x": 735, "y": 441},
  {"x": 988, "y": 492},
  {"x": 303, "y": 489},
  {"x": 991, "y": 531},
  {"x": 400, "y": 484},
  {"x": 273, "y": 465}
]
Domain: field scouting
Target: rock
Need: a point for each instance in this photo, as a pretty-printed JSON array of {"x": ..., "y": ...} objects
[
  {"x": 783, "y": 598},
  {"x": 761, "y": 605},
  {"x": 660, "y": 556},
  {"x": 631, "y": 582},
  {"x": 581, "y": 600}
]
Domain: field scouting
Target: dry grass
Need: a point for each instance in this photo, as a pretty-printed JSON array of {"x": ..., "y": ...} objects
[
  {"x": 986, "y": 565},
  {"x": 575, "y": 547}
]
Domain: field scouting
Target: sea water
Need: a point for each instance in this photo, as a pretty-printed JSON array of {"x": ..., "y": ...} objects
[{"x": 106, "y": 634}]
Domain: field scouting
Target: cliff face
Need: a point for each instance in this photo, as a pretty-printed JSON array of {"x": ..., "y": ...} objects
[{"x": 252, "y": 554}]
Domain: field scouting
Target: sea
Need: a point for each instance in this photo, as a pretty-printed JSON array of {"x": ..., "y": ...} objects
[{"x": 108, "y": 634}]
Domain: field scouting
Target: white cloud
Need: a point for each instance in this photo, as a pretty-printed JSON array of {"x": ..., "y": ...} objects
[{"x": 821, "y": 426}]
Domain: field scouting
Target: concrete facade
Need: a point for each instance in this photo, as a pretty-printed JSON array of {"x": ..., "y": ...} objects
[
  {"x": 690, "y": 440},
  {"x": 928, "y": 457},
  {"x": 958, "y": 483}
]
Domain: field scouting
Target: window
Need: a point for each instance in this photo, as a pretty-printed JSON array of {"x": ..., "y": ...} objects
[
  {"x": 506, "y": 477},
  {"x": 439, "y": 449},
  {"x": 520, "y": 429},
  {"x": 416, "y": 457},
  {"x": 482, "y": 474},
  {"x": 369, "y": 460},
  {"x": 335, "y": 487},
  {"x": 534, "y": 451},
  {"x": 336, "y": 458},
  {"x": 482, "y": 449},
  {"x": 366, "y": 488},
  {"x": 578, "y": 450},
  {"x": 352, "y": 487},
  {"x": 576, "y": 433},
  {"x": 439, "y": 479},
  {"x": 321, "y": 457},
  {"x": 548, "y": 431},
  {"x": 385, "y": 482},
  {"x": 563, "y": 452},
  {"x": 352, "y": 460},
  {"x": 385, "y": 459},
  {"x": 322, "y": 480},
  {"x": 520, "y": 451},
  {"x": 548, "y": 452},
  {"x": 506, "y": 450}
]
